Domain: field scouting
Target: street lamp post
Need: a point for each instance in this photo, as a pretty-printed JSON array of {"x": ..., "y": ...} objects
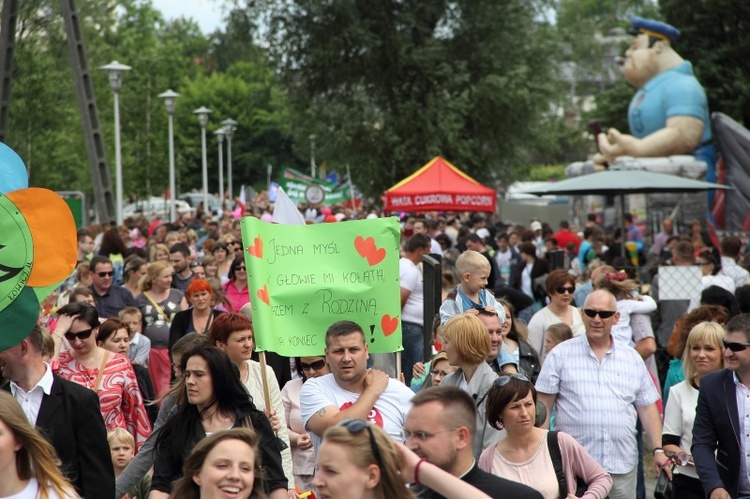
[
  {"x": 220, "y": 138},
  {"x": 115, "y": 70},
  {"x": 229, "y": 127},
  {"x": 170, "y": 98},
  {"x": 203, "y": 113},
  {"x": 312, "y": 155}
]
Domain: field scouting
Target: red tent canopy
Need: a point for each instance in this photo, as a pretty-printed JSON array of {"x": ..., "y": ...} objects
[{"x": 440, "y": 186}]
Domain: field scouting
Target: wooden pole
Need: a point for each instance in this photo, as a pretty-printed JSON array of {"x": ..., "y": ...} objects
[
  {"x": 398, "y": 365},
  {"x": 264, "y": 378}
]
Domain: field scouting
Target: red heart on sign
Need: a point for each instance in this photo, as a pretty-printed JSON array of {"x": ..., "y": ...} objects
[
  {"x": 263, "y": 295},
  {"x": 367, "y": 249},
  {"x": 257, "y": 249},
  {"x": 388, "y": 324}
]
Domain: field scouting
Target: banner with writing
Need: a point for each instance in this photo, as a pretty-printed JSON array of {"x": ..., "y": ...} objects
[
  {"x": 296, "y": 183},
  {"x": 304, "y": 278}
]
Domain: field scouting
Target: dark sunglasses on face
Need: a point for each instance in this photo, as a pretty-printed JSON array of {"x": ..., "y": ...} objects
[
  {"x": 562, "y": 289},
  {"x": 106, "y": 274},
  {"x": 356, "y": 426},
  {"x": 604, "y": 314},
  {"x": 501, "y": 381},
  {"x": 735, "y": 347},
  {"x": 81, "y": 335},
  {"x": 237, "y": 269},
  {"x": 317, "y": 365}
]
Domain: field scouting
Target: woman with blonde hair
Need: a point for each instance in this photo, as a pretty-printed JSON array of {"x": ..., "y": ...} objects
[
  {"x": 33, "y": 469},
  {"x": 358, "y": 460},
  {"x": 703, "y": 355},
  {"x": 466, "y": 342},
  {"x": 158, "y": 252},
  {"x": 159, "y": 302}
]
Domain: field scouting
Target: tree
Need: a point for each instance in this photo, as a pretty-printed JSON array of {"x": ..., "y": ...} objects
[{"x": 386, "y": 86}]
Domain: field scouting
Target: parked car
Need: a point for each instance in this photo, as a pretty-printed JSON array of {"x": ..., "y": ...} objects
[
  {"x": 196, "y": 198},
  {"x": 155, "y": 207}
]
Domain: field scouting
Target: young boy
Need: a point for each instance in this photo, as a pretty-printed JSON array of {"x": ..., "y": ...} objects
[
  {"x": 140, "y": 346},
  {"x": 122, "y": 448},
  {"x": 473, "y": 271}
]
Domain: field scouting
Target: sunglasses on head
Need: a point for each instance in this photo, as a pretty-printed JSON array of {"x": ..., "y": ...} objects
[
  {"x": 106, "y": 274},
  {"x": 355, "y": 426},
  {"x": 563, "y": 289},
  {"x": 604, "y": 314},
  {"x": 503, "y": 380},
  {"x": 81, "y": 335},
  {"x": 317, "y": 365},
  {"x": 735, "y": 347}
]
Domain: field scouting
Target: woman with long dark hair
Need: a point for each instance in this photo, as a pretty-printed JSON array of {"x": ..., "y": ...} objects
[{"x": 213, "y": 399}]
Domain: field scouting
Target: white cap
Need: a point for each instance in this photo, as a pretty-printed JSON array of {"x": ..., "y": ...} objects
[
  {"x": 483, "y": 233},
  {"x": 536, "y": 225},
  {"x": 371, "y": 216}
]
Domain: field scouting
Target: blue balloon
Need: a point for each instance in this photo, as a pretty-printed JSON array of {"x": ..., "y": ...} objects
[{"x": 13, "y": 174}]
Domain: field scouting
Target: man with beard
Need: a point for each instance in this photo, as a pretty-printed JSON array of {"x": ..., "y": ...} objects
[
  {"x": 179, "y": 255},
  {"x": 669, "y": 113},
  {"x": 440, "y": 428}
]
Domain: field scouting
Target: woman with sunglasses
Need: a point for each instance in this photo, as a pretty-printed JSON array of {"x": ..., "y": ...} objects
[
  {"x": 108, "y": 374},
  {"x": 703, "y": 355},
  {"x": 466, "y": 342},
  {"x": 235, "y": 289},
  {"x": 524, "y": 454},
  {"x": 515, "y": 342},
  {"x": 303, "y": 456},
  {"x": 159, "y": 302},
  {"x": 358, "y": 460},
  {"x": 560, "y": 287},
  {"x": 233, "y": 334},
  {"x": 210, "y": 398}
]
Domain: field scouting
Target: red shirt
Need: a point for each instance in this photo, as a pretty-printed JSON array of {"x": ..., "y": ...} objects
[{"x": 564, "y": 237}]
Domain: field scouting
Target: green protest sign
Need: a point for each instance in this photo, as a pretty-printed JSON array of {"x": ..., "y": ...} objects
[
  {"x": 296, "y": 183},
  {"x": 303, "y": 278}
]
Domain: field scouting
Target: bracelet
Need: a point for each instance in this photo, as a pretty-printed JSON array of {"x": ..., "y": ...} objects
[
  {"x": 416, "y": 470},
  {"x": 658, "y": 449}
]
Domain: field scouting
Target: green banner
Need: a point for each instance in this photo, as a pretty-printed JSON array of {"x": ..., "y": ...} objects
[
  {"x": 295, "y": 183},
  {"x": 303, "y": 278}
]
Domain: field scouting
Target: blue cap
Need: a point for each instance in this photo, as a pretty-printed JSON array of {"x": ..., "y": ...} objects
[{"x": 650, "y": 27}]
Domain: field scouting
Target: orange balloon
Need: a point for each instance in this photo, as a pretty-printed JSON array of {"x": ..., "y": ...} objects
[{"x": 53, "y": 234}]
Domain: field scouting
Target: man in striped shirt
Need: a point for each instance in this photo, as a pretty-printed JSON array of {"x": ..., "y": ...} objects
[{"x": 598, "y": 390}]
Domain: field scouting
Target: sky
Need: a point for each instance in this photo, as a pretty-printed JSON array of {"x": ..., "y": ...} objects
[{"x": 206, "y": 12}]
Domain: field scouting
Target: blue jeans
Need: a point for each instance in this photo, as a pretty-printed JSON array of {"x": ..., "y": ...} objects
[{"x": 412, "y": 337}]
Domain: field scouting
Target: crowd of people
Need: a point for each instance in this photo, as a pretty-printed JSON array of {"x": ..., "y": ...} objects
[{"x": 553, "y": 357}]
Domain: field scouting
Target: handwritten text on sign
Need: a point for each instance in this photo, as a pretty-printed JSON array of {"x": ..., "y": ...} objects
[{"x": 304, "y": 278}]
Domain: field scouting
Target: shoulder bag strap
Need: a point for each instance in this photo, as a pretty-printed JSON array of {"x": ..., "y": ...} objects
[
  {"x": 556, "y": 456},
  {"x": 157, "y": 307}
]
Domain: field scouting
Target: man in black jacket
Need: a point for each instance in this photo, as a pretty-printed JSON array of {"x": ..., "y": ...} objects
[
  {"x": 440, "y": 427},
  {"x": 67, "y": 414}
]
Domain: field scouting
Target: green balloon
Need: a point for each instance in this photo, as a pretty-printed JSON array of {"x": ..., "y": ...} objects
[{"x": 16, "y": 253}]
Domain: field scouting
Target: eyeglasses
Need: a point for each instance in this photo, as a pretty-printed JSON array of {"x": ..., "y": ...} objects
[
  {"x": 81, "y": 335},
  {"x": 237, "y": 269},
  {"x": 562, "y": 289},
  {"x": 106, "y": 274},
  {"x": 604, "y": 314},
  {"x": 422, "y": 436},
  {"x": 735, "y": 347},
  {"x": 356, "y": 426},
  {"x": 503, "y": 380},
  {"x": 317, "y": 365}
]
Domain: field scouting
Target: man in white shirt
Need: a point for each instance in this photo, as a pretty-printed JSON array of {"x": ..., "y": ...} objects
[
  {"x": 67, "y": 414},
  {"x": 352, "y": 390},
  {"x": 730, "y": 251},
  {"x": 412, "y": 302},
  {"x": 599, "y": 388}
]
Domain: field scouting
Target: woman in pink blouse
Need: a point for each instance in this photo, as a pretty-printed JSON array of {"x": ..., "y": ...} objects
[
  {"x": 524, "y": 455},
  {"x": 236, "y": 289},
  {"x": 109, "y": 374}
]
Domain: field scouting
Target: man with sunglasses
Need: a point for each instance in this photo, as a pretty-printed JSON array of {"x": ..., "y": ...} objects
[
  {"x": 599, "y": 389},
  {"x": 721, "y": 432},
  {"x": 440, "y": 427},
  {"x": 110, "y": 298},
  {"x": 67, "y": 414}
]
